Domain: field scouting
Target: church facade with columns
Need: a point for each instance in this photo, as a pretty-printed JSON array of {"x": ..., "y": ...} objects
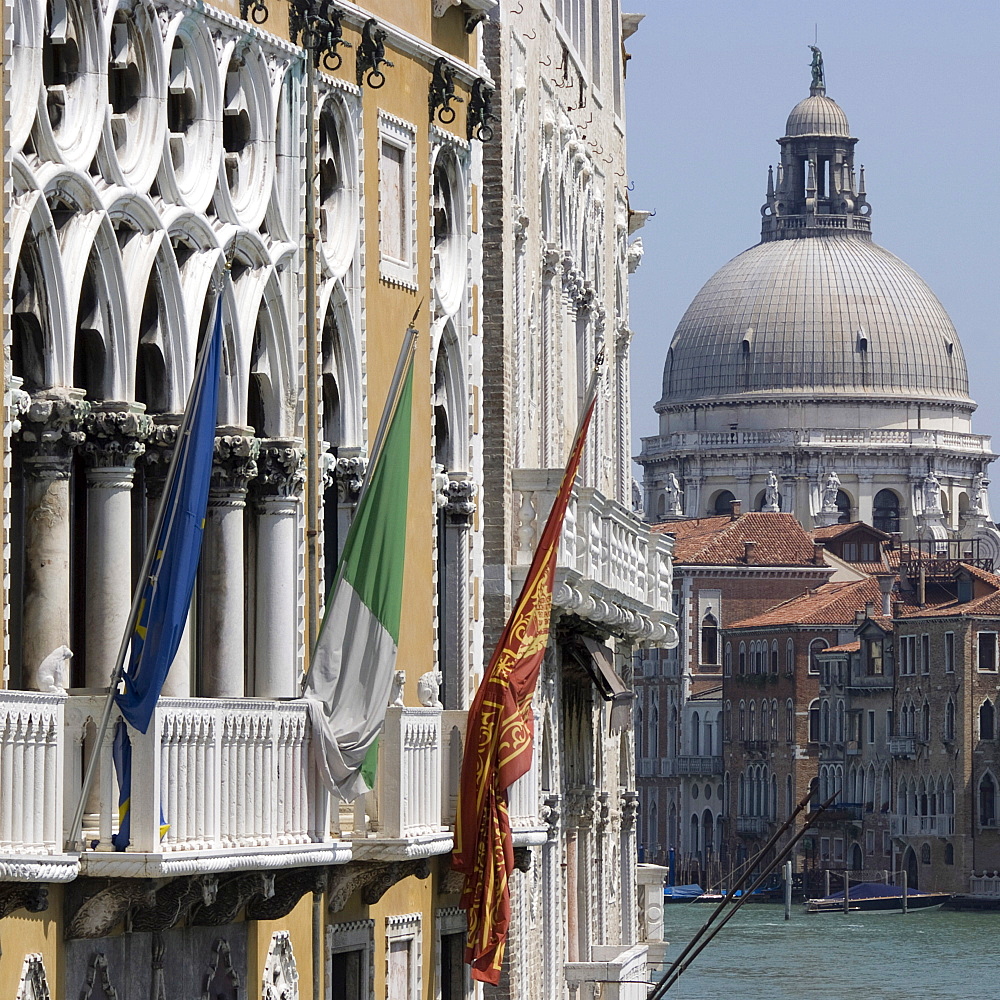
[{"x": 816, "y": 373}]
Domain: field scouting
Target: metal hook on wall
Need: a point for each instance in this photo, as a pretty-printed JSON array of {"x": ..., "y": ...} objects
[
  {"x": 520, "y": 9},
  {"x": 547, "y": 63},
  {"x": 630, "y": 186},
  {"x": 610, "y": 159},
  {"x": 530, "y": 37}
]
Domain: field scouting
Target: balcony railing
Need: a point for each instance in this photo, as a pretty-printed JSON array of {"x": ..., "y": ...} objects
[
  {"x": 753, "y": 826},
  {"x": 914, "y": 826},
  {"x": 696, "y": 765},
  {"x": 31, "y": 788},
  {"x": 230, "y": 779},
  {"x": 985, "y": 884},
  {"x": 611, "y": 568},
  {"x": 903, "y": 746},
  {"x": 840, "y": 812}
]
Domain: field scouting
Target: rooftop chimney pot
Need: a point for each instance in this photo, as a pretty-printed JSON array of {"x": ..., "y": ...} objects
[{"x": 736, "y": 506}]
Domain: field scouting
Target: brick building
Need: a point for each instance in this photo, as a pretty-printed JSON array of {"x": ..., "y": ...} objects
[{"x": 726, "y": 568}]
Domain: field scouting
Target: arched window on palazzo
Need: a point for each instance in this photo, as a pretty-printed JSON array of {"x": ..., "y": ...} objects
[
  {"x": 709, "y": 639},
  {"x": 987, "y": 801}
]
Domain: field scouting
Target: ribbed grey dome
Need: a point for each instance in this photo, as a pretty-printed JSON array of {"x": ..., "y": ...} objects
[
  {"x": 817, "y": 115},
  {"x": 818, "y": 316}
]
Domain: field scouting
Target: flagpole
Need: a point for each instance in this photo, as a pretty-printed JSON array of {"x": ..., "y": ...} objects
[{"x": 75, "y": 838}]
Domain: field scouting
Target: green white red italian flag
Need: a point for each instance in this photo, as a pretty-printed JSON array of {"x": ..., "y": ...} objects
[{"x": 351, "y": 670}]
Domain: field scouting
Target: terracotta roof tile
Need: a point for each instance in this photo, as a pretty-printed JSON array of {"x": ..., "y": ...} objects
[
  {"x": 847, "y": 647},
  {"x": 718, "y": 541},
  {"x": 829, "y": 604},
  {"x": 986, "y": 605}
]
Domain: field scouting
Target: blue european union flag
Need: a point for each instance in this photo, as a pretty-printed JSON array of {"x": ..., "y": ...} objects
[
  {"x": 167, "y": 596},
  {"x": 121, "y": 754}
]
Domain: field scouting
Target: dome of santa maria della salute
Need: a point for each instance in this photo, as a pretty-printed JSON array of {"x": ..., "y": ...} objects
[
  {"x": 816, "y": 315},
  {"x": 816, "y": 373}
]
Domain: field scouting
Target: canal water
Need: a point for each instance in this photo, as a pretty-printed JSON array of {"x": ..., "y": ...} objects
[{"x": 928, "y": 955}]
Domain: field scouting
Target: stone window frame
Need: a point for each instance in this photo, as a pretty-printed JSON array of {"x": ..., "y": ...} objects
[
  {"x": 400, "y": 133},
  {"x": 406, "y": 927},
  {"x": 449, "y": 920},
  {"x": 949, "y": 652},
  {"x": 979, "y": 650},
  {"x": 352, "y": 935}
]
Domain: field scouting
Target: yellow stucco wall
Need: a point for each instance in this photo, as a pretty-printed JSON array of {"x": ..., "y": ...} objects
[
  {"x": 298, "y": 923},
  {"x": 23, "y": 933}
]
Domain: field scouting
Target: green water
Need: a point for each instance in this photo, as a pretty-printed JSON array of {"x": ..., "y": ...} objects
[{"x": 929, "y": 955}]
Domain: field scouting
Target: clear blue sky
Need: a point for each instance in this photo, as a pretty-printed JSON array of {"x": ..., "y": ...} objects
[{"x": 709, "y": 86}]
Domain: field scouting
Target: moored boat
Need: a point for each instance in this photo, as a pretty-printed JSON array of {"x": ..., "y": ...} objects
[
  {"x": 681, "y": 893},
  {"x": 873, "y": 896}
]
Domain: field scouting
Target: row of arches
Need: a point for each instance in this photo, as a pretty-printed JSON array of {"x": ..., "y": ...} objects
[
  {"x": 766, "y": 724},
  {"x": 886, "y": 506}
]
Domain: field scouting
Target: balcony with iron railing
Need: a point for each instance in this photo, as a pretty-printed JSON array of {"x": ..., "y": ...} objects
[
  {"x": 696, "y": 765},
  {"x": 753, "y": 826},
  {"x": 903, "y": 746}
]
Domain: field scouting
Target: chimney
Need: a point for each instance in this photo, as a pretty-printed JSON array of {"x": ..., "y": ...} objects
[
  {"x": 897, "y": 608},
  {"x": 897, "y": 541},
  {"x": 736, "y": 505},
  {"x": 869, "y": 610},
  {"x": 748, "y": 548},
  {"x": 818, "y": 553},
  {"x": 885, "y": 583}
]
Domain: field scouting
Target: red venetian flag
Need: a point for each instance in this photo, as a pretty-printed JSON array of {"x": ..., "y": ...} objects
[{"x": 499, "y": 741}]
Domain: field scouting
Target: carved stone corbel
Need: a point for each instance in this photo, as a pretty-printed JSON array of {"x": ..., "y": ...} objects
[
  {"x": 30, "y": 896},
  {"x": 522, "y": 859},
  {"x": 234, "y": 893},
  {"x": 385, "y": 876},
  {"x": 290, "y": 885},
  {"x": 94, "y": 907},
  {"x": 174, "y": 902},
  {"x": 343, "y": 882}
]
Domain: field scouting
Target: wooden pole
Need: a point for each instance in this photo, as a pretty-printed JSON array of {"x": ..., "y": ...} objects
[
  {"x": 847, "y": 892},
  {"x": 905, "y": 891},
  {"x": 826, "y": 881},
  {"x": 788, "y": 890}
]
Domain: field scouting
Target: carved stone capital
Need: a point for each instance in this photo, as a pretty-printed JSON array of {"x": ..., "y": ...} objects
[
  {"x": 281, "y": 471},
  {"x": 603, "y": 810},
  {"x": 460, "y": 502},
  {"x": 116, "y": 436},
  {"x": 551, "y": 263},
  {"x": 580, "y": 804},
  {"x": 234, "y": 463},
  {"x": 549, "y": 815},
  {"x": 51, "y": 428},
  {"x": 349, "y": 474},
  {"x": 160, "y": 444},
  {"x": 630, "y": 809},
  {"x": 18, "y": 404}
]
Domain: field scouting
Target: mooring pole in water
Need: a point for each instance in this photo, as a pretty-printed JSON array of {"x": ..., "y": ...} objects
[
  {"x": 826, "y": 881},
  {"x": 788, "y": 890},
  {"x": 905, "y": 892},
  {"x": 847, "y": 892}
]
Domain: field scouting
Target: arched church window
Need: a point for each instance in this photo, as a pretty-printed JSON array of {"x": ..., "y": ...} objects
[
  {"x": 885, "y": 511},
  {"x": 724, "y": 502},
  {"x": 844, "y": 506}
]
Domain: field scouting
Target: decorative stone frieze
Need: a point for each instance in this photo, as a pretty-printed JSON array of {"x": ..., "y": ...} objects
[{"x": 234, "y": 893}]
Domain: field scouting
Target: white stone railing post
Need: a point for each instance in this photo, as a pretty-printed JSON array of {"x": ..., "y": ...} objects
[{"x": 409, "y": 773}]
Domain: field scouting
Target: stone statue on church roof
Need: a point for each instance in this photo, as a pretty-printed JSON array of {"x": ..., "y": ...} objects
[
  {"x": 818, "y": 78},
  {"x": 830, "y": 490}
]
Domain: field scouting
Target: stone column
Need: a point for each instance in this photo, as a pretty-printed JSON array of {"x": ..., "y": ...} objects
[
  {"x": 628, "y": 860},
  {"x": 115, "y": 436},
  {"x": 454, "y": 521},
  {"x": 156, "y": 463},
  {"x": 866, "y": 497},
  {"x": 277, "y": 498},
  {"x": 50, "y": 429},
  {"x": 222, "y": 665}
]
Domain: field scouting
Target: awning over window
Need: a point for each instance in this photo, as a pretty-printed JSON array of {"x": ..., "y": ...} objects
[{"x": 598, "y": 660}]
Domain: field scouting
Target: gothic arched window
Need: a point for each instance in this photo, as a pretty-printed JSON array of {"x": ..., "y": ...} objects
[
  {"x": 986, "y": 716},
  {"x": 709, "y": 639},
  {"x": 987, "y": 801}
]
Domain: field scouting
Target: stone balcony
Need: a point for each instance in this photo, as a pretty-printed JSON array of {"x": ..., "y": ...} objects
[
  {"x": 916, "y": 826},
  {"x": 231, "y": 780},
  {"x": 611, "y": 568},
  {"x": 32, "y": 758},
  {"x": 753, "y": 826},
  {"x": 882, "y": 438},
  {"x": 696, "y": 765},
  {"x": 234, "y": 784}
]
